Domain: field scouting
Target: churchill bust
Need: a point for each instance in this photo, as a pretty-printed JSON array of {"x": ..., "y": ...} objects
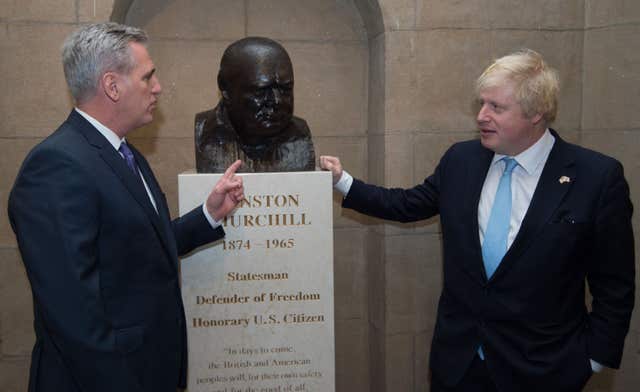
[{"x": 254, "y": 119}]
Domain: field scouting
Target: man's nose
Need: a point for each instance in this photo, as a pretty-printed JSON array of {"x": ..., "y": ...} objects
[
  {"x": 275, "y": 96},
  {"x": 157, "y": 88},
  {"x": 482, "y": 113}
]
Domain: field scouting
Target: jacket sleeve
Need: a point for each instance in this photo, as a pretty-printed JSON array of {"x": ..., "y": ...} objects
[
  {"x": 54, "y": 211},
  {"x": 403, "y": 205},
  {"x": 193, "y": 230},
  {"x": 611, "y": 271}
]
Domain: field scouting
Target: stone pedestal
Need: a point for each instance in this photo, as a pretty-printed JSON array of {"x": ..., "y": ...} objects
[{"x": 259, "y": 303}]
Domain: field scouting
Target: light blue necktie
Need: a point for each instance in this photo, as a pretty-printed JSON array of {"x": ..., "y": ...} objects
[
  {"x": 495, "y": 236},
  {"x": 497, "y": 232}
]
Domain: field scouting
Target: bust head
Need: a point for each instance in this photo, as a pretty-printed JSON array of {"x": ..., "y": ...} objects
[
  {"x": 256, "y": 82},
  {"x": 254, "y": 119}
]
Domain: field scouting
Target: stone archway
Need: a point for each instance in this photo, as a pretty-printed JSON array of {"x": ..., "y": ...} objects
[{"x": 337, "y": 48}]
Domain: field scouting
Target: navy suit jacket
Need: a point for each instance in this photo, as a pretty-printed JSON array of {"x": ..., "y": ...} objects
[
  {"x": 103, "y": 266},
  {"x": 530, "y": 316}
]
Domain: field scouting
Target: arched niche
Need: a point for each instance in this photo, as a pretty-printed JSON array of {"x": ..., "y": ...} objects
[
  {"x": 369, "y": 10},
  {"x": 337, "y": 50},
  {"x": 328, "y": 41}
]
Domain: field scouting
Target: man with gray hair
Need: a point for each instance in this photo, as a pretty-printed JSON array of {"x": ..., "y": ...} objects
[
  {"x": 525, "y": 218},
  {"x": 95, "y": 235}
]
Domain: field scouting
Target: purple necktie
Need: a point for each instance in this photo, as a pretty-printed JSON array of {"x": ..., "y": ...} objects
[
  {"x": 131, "y": 162},
  {"x": 128, "y": 157}
]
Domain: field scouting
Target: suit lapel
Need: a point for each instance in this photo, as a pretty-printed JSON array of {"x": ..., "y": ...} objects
[
  {"x": 477, "y": 168},
  {"x": 546, "y": 198},
  {"x": 118, "y": 165},
  {"x": 156, "y": 192}
]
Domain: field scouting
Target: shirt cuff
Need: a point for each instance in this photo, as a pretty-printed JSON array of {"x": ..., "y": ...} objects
[
  {"x": 595, "y": 366},
  {"x": 344, "y": 184},
  {"x": 214, "y": 223}
]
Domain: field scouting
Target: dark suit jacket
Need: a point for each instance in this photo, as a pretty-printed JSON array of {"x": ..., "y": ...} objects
[
  {"x": 530, "y": 317},
  {"x": 103, "y": 266}
]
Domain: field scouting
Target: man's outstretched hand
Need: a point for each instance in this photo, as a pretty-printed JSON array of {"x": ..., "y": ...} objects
[
  {"x": 226, "y": 194},
  {"x": 333, "y": 165}
]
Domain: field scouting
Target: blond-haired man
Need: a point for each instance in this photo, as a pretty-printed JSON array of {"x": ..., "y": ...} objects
[{"x": 525, "y": 217}]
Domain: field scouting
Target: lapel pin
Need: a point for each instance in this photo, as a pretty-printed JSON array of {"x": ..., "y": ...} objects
[{"x": 564, "y": 179}]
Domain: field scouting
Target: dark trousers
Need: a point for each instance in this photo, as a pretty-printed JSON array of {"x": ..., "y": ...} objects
[{"x": 476, "y": 379}]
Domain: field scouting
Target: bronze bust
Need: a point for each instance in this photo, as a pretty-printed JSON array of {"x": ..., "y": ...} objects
[{"x": 254, "y": 119}]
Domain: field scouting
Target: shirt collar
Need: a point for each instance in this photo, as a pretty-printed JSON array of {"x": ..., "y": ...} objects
[
  {"x": 111, "y": 136},
  {"x": 533, "y": 158}
]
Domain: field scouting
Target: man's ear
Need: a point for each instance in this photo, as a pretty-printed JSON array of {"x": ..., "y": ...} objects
[
  {"x": 109, "y": 84},
  {"x": 536, "y": 118},
  {"x": 222, "y": 86}
]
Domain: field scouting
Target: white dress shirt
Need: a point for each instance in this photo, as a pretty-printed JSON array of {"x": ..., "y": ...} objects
[{"x": 524, "y": 180}]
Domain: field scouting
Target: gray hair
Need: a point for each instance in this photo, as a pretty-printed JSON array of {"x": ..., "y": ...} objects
[{"x": 94, "y": 49}]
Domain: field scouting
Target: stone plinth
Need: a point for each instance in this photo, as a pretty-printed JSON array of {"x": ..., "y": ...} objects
[{"x": 259, "y": 303}]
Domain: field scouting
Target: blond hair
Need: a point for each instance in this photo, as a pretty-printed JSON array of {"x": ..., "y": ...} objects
[{"x": 536, "y": 85}]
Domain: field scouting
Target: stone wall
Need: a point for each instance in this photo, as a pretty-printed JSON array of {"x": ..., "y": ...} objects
[
  {"x": 611, "y": 124},
  {"x": 386, "y": 85},
  {"x": 34, "y": 103}
]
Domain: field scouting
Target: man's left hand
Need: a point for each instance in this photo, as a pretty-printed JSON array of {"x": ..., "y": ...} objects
[{"x": 226, "y": 194}]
